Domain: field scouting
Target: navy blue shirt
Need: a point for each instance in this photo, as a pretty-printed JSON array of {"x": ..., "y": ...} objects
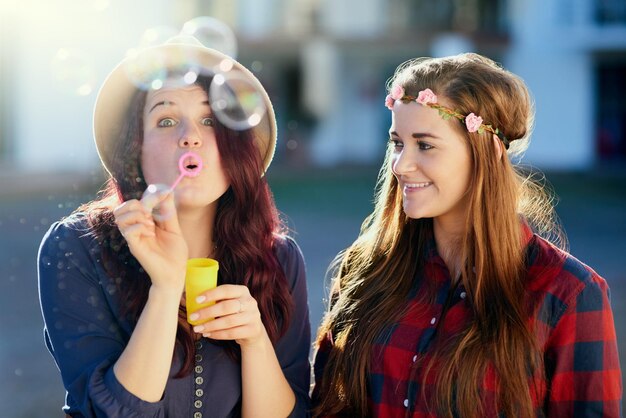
[{"x": 85, "y": 334}]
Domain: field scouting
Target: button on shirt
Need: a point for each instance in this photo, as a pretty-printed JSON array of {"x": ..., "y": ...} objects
[{"x": 575, "y": 325}]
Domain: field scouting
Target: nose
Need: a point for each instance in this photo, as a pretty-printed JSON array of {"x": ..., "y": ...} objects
[
  {"x": 403, "y": 163},
  {"x": 189, "y": 138},
  {"x": 189, "y": 142}
]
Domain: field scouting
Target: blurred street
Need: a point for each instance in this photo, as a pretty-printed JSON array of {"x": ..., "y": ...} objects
[{"x": 323, "y": 208}]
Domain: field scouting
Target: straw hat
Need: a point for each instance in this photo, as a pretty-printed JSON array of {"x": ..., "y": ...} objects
[{"x": 118, "y": 89}]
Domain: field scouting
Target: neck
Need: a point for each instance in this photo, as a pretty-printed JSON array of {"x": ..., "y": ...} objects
[
  {"x": 197, "y": 228},
  {"x": 448, "y": 237}
]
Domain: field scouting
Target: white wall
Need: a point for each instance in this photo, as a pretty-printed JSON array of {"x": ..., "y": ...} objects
[
  {"x": 53, "y": 124},
  {"x": 559, "y": 73}
]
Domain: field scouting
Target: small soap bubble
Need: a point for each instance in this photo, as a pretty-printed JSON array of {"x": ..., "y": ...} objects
[
  {"x": 22, "y": 221},
  {"x": 212, "y": 33},
  {"x": 153, "y": 68},
  {"x": 19, "y": 372},
  {"x": 156, "y": 36},
  {"x": 111, "y": 289},
  {"x": 256, "y": 66},
  {"x": 73, "y": 72},
  {"x": 292, "y": 144},
  {"x": 235, "y": 101},
  {"x": 93, "y": 301}
]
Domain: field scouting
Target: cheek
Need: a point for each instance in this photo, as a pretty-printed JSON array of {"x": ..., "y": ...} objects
[
  {"x": 393, "y": 163},
  {"x": 152, "y": 161}
]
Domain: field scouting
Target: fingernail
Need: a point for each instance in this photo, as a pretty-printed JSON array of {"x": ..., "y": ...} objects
[
  {"x": 198, "y": 328},
  {"x": 206, "y": 334},
  {"x": 200, "y": 299},
  {"x": 194, "y": 316}
]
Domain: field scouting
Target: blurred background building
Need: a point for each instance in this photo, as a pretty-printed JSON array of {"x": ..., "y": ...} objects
[{"x": 325, "y": 64}]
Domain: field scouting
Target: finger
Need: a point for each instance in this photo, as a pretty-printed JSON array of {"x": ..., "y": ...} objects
[
  {"x": 224, "y": 323},
  {"x": 133, "y": 217},
  {"x": 222, "y": 308},
  {"x": 161, "y": 203},
  {"x": 237, "y": 333},
  {"x": 134, "y": 232},
  {"x": 132, "y": 205},
  {"x": 153, "y": 195},
  {"x": 224, "y": 291}
]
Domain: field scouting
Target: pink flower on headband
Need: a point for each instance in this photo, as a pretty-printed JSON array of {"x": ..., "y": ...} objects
[
  {"x": 473, "y": 122},
  {"x": 397, "y": 92},
  {"x": 389, "y": 101},
  {"x": 426, "y": 96}
]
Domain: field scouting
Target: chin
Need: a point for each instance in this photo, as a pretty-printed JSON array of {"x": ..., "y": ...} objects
[{"x": 413, "y": 212}]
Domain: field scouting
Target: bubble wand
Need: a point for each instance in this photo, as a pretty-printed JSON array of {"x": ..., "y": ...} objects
[
  {"x": 186, "y": 171},
  {"x": 150, "y": 200}
]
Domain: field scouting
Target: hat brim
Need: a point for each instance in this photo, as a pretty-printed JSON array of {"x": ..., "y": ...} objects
[{"x": 110, "y": 111}]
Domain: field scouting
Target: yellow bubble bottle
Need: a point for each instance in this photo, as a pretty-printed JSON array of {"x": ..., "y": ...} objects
[{"x": 201, "y": 276}]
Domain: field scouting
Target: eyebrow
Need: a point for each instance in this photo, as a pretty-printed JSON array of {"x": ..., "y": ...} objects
[
  {"x": 161, "y": 103},
  {"x": 169, "y": 102},
  {"x": 417, "y": 135}
]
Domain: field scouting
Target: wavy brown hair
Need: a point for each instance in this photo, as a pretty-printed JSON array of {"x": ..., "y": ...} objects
[
  {"x": 245, "y": 230},
  {"x": 373, "y": 274}
]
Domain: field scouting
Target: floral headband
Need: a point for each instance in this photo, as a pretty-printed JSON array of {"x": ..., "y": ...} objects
[{"x": 472, "y": 122}]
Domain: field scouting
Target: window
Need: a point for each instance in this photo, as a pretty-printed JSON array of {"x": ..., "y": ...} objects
[{"x": 611, "y": 110}]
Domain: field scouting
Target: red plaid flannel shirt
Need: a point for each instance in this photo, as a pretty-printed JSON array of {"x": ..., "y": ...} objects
[{"x": 574, "y": 325}]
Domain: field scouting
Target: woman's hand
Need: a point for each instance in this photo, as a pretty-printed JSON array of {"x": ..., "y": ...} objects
[
  {"x": 236, "y": 316},
  {"x": 157, "y": 243}
]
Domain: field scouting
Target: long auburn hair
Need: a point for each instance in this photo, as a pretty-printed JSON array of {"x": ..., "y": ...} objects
[
  {"x": 246, "y": 229},
  {"x": 373, "y": 275}
]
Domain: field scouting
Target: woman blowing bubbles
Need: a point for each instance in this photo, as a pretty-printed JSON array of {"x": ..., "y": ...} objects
[
  {"x": 448, "y": 304},
  {"x": 112, "y": 275}
]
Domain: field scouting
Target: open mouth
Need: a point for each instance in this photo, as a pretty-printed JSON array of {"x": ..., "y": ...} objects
[{"x": 190, "y": 164}]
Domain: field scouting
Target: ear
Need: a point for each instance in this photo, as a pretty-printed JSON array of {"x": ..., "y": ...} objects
[{"x": 498, "y": 145}]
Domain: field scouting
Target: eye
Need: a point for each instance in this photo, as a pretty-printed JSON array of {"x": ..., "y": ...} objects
[
  {"x": 396, "y": 144},
  {"x": 167, "y": 123},
  {"x": 424, "y": 146},
  {"x": 207, "y": 121}
]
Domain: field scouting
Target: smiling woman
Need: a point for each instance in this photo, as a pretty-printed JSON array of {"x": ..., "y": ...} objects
[
  {"x": 116, "y": 314},
  {"x": 449, "y": 303}
]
